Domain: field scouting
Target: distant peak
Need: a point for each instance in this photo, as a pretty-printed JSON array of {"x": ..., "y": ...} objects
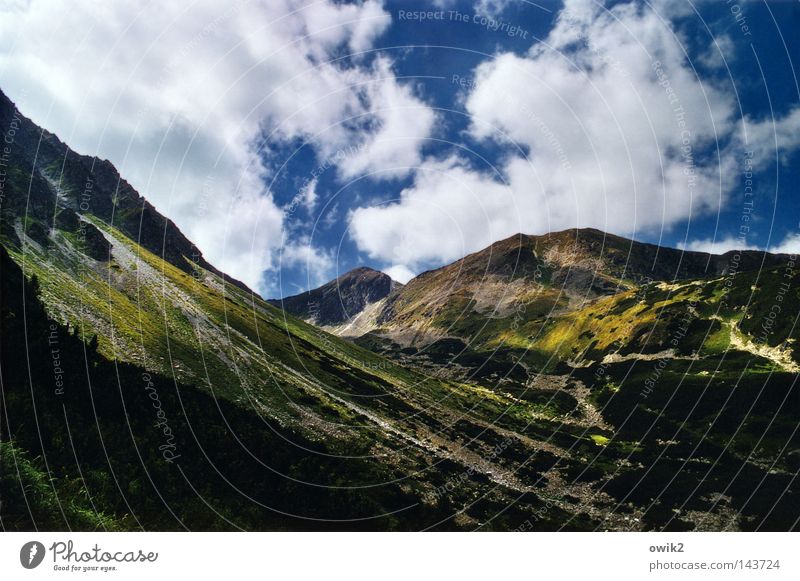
[
  {"x": 361, "y": 270},
  {"x": 342, "y": 298},
  {"x": 364, "y": 273}
]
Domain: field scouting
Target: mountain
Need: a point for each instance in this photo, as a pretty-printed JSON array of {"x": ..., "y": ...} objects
[
  {"x": 522, "y": 277},
  {"x": 143, "y": 389},
  {"x": 339, "y": 305},
  {"x": 90, "y": 443},
  {"x": 39, "y": 164}
]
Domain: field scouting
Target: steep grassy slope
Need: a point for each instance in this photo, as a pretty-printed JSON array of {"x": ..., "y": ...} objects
[
  {"x": 425, "y": 433},
  {"x": 94, "y": 444},
  {"x": 695, "y": 380}
]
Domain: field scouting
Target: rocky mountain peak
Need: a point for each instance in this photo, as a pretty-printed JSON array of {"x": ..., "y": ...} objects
[{"x": 341, "y": 299}]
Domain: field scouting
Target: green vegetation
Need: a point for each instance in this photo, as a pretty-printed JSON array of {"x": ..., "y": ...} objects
[{"x": 569, "y": 376}]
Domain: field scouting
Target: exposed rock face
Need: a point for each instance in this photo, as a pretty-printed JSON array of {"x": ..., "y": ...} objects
[
  {"x": 342, "y": 299},
  {"x": 94, "y": 243},
  {"x": 622, "y": 258}
]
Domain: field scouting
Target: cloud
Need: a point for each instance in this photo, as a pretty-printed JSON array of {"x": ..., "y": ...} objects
[
  {"x": 450, "y": 210},
  {"x": 399, "y": 273},
  {"x": 770, "y": 140},
  {"x": 789, "y": 245},
  {"x": 490, "y": 8},
  {"x": 404, "y": 123},
  {"x": 605, "y": 124},
  {"x": 178, "y": 97},
  {"x": 722, "y": 50},
  {"x": 610, "y": 111},
  {"x": 318, "y": 264},
  {"x": 718, "y": 246},
  {"x": 310, "y": 196}
]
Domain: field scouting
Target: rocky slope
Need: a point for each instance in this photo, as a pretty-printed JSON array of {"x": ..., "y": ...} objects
[{"x": 338, "y": 302}]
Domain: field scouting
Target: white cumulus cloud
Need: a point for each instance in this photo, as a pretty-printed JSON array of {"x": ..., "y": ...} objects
[
  {"x": 789, "y": 245},
  {"x": 720, "y": 246},
  {"x": 399, "y": 273},
  {"x": 606, "y": 125},
  {"x": 177, "y": 95}
]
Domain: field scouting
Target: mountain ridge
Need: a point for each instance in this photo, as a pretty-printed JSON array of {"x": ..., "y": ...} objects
[
  {"x": 564, "y": 268},
  {"x": 719, "y": 263},
  {"x": 91, "y": 186}
]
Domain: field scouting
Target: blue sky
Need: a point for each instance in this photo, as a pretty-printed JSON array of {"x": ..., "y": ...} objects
[{"x": 296, "y": 140}]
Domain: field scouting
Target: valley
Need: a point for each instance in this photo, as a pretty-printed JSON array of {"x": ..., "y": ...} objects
[{"x": 570, "y": 381}]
